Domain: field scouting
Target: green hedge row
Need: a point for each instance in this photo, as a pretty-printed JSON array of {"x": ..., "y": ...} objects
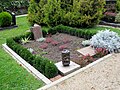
[
  {"x": 44, "y": 65},
  {"x": 72, "y": 31}
]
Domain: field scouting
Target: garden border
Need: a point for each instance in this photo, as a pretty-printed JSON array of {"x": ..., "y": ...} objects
[
  {"x": 74, "y": 73},
  {"x": 26, "y": 65}
]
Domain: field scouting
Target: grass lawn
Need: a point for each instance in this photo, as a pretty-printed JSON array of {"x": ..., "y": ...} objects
[{"x": 12, "y": 75}]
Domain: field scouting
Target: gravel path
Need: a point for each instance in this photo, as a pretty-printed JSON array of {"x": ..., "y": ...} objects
[{"x": 105, "y": 75}]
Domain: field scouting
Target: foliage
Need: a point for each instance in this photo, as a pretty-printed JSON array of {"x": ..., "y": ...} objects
[
  {"x": 87, "y": 34},
  {"x": 62, "y": 47},
  {"x": 38, "y": 62},
  {"x": 106, "y": 39},
  {"x": 118, "y": 5},
  {"x": 50, "y": 70},
  {"x": 13, "y": 5},
  {"x": 77, "y": 13},
  {"x": 54, "y": 43},
  {"x": 5, "y": 19},
  {"x": 18, "y": 76},
  {"x": 109, "y": 16},
  {"x": 117, "y": 18},
  {"x": 86, "y": 43},
  {"x": 25, "y": 40},
  {"x": 44, "y": 46},
  {"x": 100, "y": 52},
  {"x": 87, "y": 58},
  {"x": 48, "y": 40}
]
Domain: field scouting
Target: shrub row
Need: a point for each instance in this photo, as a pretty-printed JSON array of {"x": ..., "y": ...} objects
[
  {"x": 72, "y": 31},
  {"x": 44, "y": 65}
]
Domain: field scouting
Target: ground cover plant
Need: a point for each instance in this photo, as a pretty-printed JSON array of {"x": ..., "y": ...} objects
[{"x": 12, "y": 75}]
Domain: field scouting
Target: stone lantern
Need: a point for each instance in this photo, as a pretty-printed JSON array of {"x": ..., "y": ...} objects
[{"x": 65, "y": 57}]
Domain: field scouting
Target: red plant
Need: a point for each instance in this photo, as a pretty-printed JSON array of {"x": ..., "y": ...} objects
[
  {"x": 44, "y": 46},
  {"x": 63, "y": 47},
  {"x": 100, "y": 52},
  {"x": 54, "y": 43},
  {"x": 110, "y": 14},
  {"x": 66, "y": 40},
  {"x": 48, "y": 40},
  {"x": 88, "y": 58}
]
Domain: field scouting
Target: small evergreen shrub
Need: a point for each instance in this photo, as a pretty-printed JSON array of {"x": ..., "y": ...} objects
[
  {"x": 5, "y": 19},
  {"x": 106, "y": 39},
  {"x": 50, "y": 70},
  {"x": 117, "y": 18}
]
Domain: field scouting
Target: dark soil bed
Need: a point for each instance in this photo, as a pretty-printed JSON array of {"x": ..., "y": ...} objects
[{"x": 53, "y": 52}]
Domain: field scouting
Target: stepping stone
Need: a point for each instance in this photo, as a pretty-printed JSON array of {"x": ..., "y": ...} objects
[
  {"x": 67, "y": 69},
  {"x": 87, "y": 50}
]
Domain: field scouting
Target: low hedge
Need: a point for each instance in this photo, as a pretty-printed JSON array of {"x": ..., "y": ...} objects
[
  {"x": 44, "y": 65},
  {"x": 72, "y": 31}
]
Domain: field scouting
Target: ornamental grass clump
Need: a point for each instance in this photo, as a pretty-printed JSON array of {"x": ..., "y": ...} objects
[{"x": 106, "y": 39}]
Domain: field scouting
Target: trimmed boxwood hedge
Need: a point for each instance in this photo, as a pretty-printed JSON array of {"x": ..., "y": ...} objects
[
  {"x": 72, "y": 31},
  {"x": 40, "y": 63}
]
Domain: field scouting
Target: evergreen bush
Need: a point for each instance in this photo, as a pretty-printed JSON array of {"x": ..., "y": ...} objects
[
  {"x": 76, "y": 13},
  {"x": 50, "y": 70},
  {"x": 5, "y": 19}
]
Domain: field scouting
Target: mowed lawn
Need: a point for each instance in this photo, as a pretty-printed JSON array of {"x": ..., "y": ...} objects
[{"x": 12, "y": 75}]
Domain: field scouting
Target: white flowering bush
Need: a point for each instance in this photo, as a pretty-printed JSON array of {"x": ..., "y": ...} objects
[{"x": 106, "y": 39}]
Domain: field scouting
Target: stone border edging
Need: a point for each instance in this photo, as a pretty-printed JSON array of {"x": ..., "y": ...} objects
[
  {"x": 74, "y": 73},
  {"x": 22, "y": 15},
  {"x": 26, "y": 65}
]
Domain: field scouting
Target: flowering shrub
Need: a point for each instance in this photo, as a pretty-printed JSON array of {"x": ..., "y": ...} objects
[
  {"x": 100, "y": 52},
  {"x": 48, "y": 40},
  {"x": 87, "y": 58},
  {"x": 106, "y": 39},
  {"x": 54, "y": 43},
  {"x": 63, "y": 47},
  {"x": 44, "y": 46}
]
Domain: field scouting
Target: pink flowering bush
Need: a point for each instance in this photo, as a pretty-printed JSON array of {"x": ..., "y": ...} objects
[{"x": 100, "y": 52}]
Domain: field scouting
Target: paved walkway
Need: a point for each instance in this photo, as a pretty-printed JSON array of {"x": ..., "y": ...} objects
[{"x": 105, "y": 75}]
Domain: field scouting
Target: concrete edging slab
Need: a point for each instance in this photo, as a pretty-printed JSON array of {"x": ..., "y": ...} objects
[{"x": 26, "y": 65}]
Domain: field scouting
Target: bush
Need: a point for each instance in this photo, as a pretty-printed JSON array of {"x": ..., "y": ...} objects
[
  {"x": 72, "y": 31},
  {"x": 5, "y": 19},
  {"x": 117, "y": 18},
  {"x": 106, "y": 39},
  {"x": 50, "y": 70},
  {"x": 80, "y": 13},
  {"x": 38, "y": 62},
  {"x": 118, "y": 5},
  {"x": 109, "y": 16}
]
